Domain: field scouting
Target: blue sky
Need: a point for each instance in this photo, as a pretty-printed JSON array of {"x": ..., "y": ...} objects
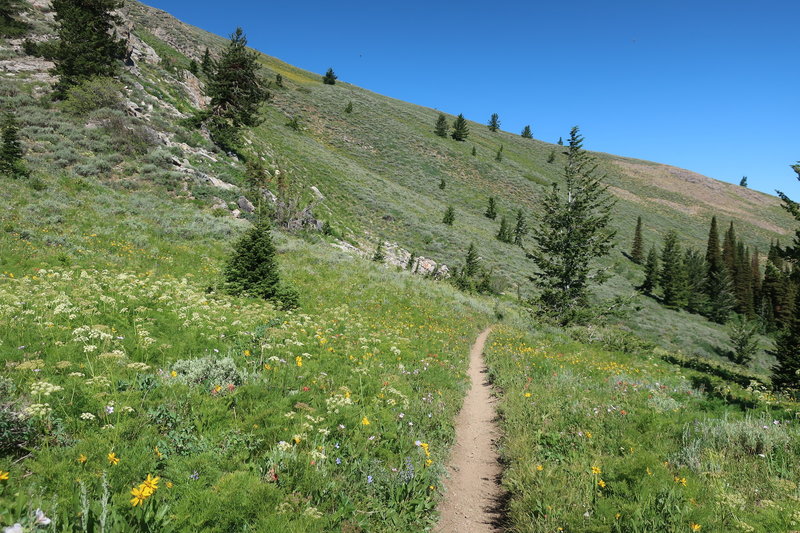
[{"x": 711, "y": 86}]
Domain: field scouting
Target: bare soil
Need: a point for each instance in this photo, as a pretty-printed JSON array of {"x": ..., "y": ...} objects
[{"x": 473, "y": 501}]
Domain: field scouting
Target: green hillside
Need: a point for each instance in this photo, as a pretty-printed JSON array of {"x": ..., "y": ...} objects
[{"x": 118, "y": 343}]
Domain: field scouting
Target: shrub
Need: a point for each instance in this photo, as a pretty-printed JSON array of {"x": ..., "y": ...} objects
[
  {"x": 208, "y": 371},
  {"x": 93, "y": 94}
]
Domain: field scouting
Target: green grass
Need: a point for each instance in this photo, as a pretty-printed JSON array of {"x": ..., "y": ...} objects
[{"x": 612, "y": 441}]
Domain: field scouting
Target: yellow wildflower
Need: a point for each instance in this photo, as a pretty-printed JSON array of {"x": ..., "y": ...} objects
[
  {"x": 539, "y": 468},
  {"x": 151, "y": 482},
  {"x": 596, "y": 470},
  {"x": 169, "y": 484},
  {"x": 247, "y": 353},
  {"x": 139, "y": 495},
  {"x": 173, "y": 374},
  {"x": 602, "y": 484},
  {"x": 696, "y": 527},
  {"x": 4, "y": 475},
  {"x": 680, "y": 480},
  {"x": 527, "y": 394},
  {"x": 365, "y": 421},
  {"x": 158, "y": 453},
  {"x": 82, "y": 459},
  {"x": 113, "y": 459},
  {"x": 298, "y": 360}
]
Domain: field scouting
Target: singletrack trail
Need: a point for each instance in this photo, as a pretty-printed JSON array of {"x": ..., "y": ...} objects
[{"x": 473, "y": 496}]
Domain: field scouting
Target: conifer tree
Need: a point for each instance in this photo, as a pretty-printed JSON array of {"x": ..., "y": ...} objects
[
  {"x": 449, "y": 216},
  {"x": 650, "y": 272},
  {"x": 460, "y": 129},
  {"x": 743, "y": 336},
  {"x": 330, "y": 78},
  {"x": 87, "y": 46},
  {"x": 552, "y": 156},
  {"x": 786, "y": 373},
  {"x": 10, "y": 25},
  {"x": 252, "y": 269},
  {"x": 572, "y": 232},
  {"x": 637, "y": 250},
  {"x": 11, "y": 163},
  {"x": 743, "y": 281},
  {"x": 491, "y": 209},
  {"x": 494, "y": 122},
  {"x": 471, "y": 266},
  {"x": 206, "y": 63},
  {"x": 442, "y": 184},
  {"x": 694, "y": 265},
  {"x": 279, "y": 80},
  {"x": 713, "y": 254},
  {"x": 194, "y": 68},
  {"x": 560, "y": 141},
  {"x": 775, "y": 293},
  {"x": 349, "y": 107},
  {"x": 236, "y": 90},
  {"x": 520, "y": 228},
  {"x": 504, "y": 233},
  {"x": 729, "y": 251},
  {"x": 499, "y": 156},
  {"x": 721, "y": 299},
  {"x": 672, "y": 277},
  {"x": 755, "y": 276},
  {"x": 526, "y": 132},
  {"x": 474, "y": 151},
  {"x": 379, "y": 254},
  {"x": 441, "y": 126},
  {"x": 411, "y": 260},
  {"x": 743, "y": 181}
]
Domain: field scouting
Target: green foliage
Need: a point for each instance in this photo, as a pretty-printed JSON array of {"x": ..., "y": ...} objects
[
  {"x": 194, "y": 68},
  {"x": 93, "y": 94},
  {"x": 460, "y": 129},
  {"x": 237, "y": 92},
  {"x": 329, "y": 78},
  {"x": 504, "y": 234},
  {"x": 743, "y": 336},
  {"x": 520, "y": 228},
  {"x": 441, "y": 126},
  {"x": 449, "y": 216},
  {"x": 743, "y": 181},
  {"x": 572, "y": 232},
  {"x": 494, "y": 122},
  {"x": 551, "y": 156},
  {"x": 491, "y": 209},
  {"x": 294, "y": 123},
  {"x": 442, "y": 184},
  {"x": 379, "y": 256},
  {"x": 472, "y": 277},
  {"x": 560, "y": 141},
  {"x": 694, "y": 264},
  {"x": 474, "y": 151},
  {"x": 499, "y": 155},
  {"x": 279, "y": 80},
  {"x": 207, "y": 63},
  {"x": 637, "y": 249},
  {"x": 526, "y": 132},
  {"x": 87, "y": 45},
  {"x": 672, "y": 277},
  {"x": 208, "y": 371},
  {"x": 10, "y": 25},
  {"x": 651, "y": 269},
  {"x": 349, "y": 107},
  {"x": 11, "y": 153}
]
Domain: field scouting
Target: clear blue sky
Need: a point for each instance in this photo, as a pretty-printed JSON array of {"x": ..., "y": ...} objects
[{"x": 711, "y": 86}]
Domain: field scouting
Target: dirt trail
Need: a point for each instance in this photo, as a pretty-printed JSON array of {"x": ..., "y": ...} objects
[{"x": 473, "y": 495}]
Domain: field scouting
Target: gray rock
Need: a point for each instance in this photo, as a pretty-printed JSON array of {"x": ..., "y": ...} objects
[{"x": 245, "y": 205}]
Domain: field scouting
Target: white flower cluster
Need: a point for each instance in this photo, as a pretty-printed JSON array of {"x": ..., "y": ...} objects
[
  {"x": 87, "y": 416},
  {"x": 336, "y": 402},
  {"x": 99, "y": 380},
  {"x": 38, "y": 409},
  {"x": 138, "y": 366},
  {"x": 43, "y": 388}
]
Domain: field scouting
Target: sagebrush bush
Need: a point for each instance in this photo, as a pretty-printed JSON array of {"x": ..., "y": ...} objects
[
  {"x": 92, "y": 95},
  {"x": 209, "y": 371}
]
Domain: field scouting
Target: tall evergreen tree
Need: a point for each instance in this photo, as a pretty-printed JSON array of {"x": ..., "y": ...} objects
[
  {"x": 755, "y": 275},
  {"x": 330, "y": 77},
  {"x": 743, "y": 281},
  {"x": 786, "y": 373},
  {"x": 474, "y": 151},
  {"x": 650, "y": 272},
  {"x": 560, "y": 141},
  {"x": 775, "y": 294},
  {"x": 494, "y": 122},
  {"x": 520, "y": 228},
  {"x": 721, "y": 299},
  {"x": 743, "y": 181},
  {"x": 379, "y": 254},
  {"x": 499, "y": 156},
  {"x": 460, "y": 128},
  {"x": 672, "y": 277},
  {"x": 491, "y": 209},
  {"x": 637, "y": 250},
  {"x": 10, "y": 24},
  {"x": 713, "y": 253},
  {"x": 729, "y": 251},
  {"x": 87, "y": 45},
  {"x": 526, "y": 132},
  {"x": 236, "y": 90},
  {"x": 11, "y": 163},
  {"x": 471, "y": 265},
  {"x": 441, "y": 126},
  {"x": 694, "y": 264},
  {"x": 449, "y": 216},
  {"x": 572, "y": 232},
  {"x": 552, "y": 156},
  {"x": 206, "y": 63}
]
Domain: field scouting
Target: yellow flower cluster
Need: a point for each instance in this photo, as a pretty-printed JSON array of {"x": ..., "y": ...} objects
[{"x": 145, "y": 489}]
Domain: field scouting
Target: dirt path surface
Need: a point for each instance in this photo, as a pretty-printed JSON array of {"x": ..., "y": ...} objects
[{"x": 473, "y": 495}]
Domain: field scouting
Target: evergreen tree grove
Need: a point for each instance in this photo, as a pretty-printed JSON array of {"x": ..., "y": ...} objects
[
  {"x": 87, "y": 46},
  {"x": 460, "y": 128},
  {"x": 504, "y": 233},
  {"x": 672, "y": 276},
  {"x": 637, "y": 250},
  {"x": 572, "y": 231},
  {"x": 650, "y": 273}
]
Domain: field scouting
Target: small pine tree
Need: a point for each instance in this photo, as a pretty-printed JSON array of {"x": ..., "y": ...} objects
[
  {"x": 491, "y": 209},
  {"x": 411, "y": 260},
  {"x": 471, "y": 266},
  {"x": 442, "y": 184},
  {"x": 672, "y": 277},
  {"x": 379, "y": 254},
  {"x": 526, "y": 132},
  {"x": 252, "y": 269},
  {"x": 460, "y": 128},
  {"x": 449, "y": 216},
  {"x": 743, "y": 335},
  {"x": 11, "y": 153},
  {"x": 560, "y": 141},
  {"x": 504, "y": 233},
  {"x": 330, "y": 78},
  {"x": 207, "y": 64},
  {"x": 494, "y": 122},
  {"x": 441, "y": 126},
  {"x": 552, "y": 156},
  {"x": 349, "y": 107},
  {"x": 194, "y": 68},
  {"x": 694, "y": 264},
  {"x": 499, "y": 156},
  {"x": 650, "y": 273},
  {"x": 637, "y": 250},
  {"x": 743, "y": 181},
  {"x": 279, "y": 80},
  {"x": 474, "y": 151},
  {"x": 520, "y": 228},
  {"x": 786, "y": 373}
]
